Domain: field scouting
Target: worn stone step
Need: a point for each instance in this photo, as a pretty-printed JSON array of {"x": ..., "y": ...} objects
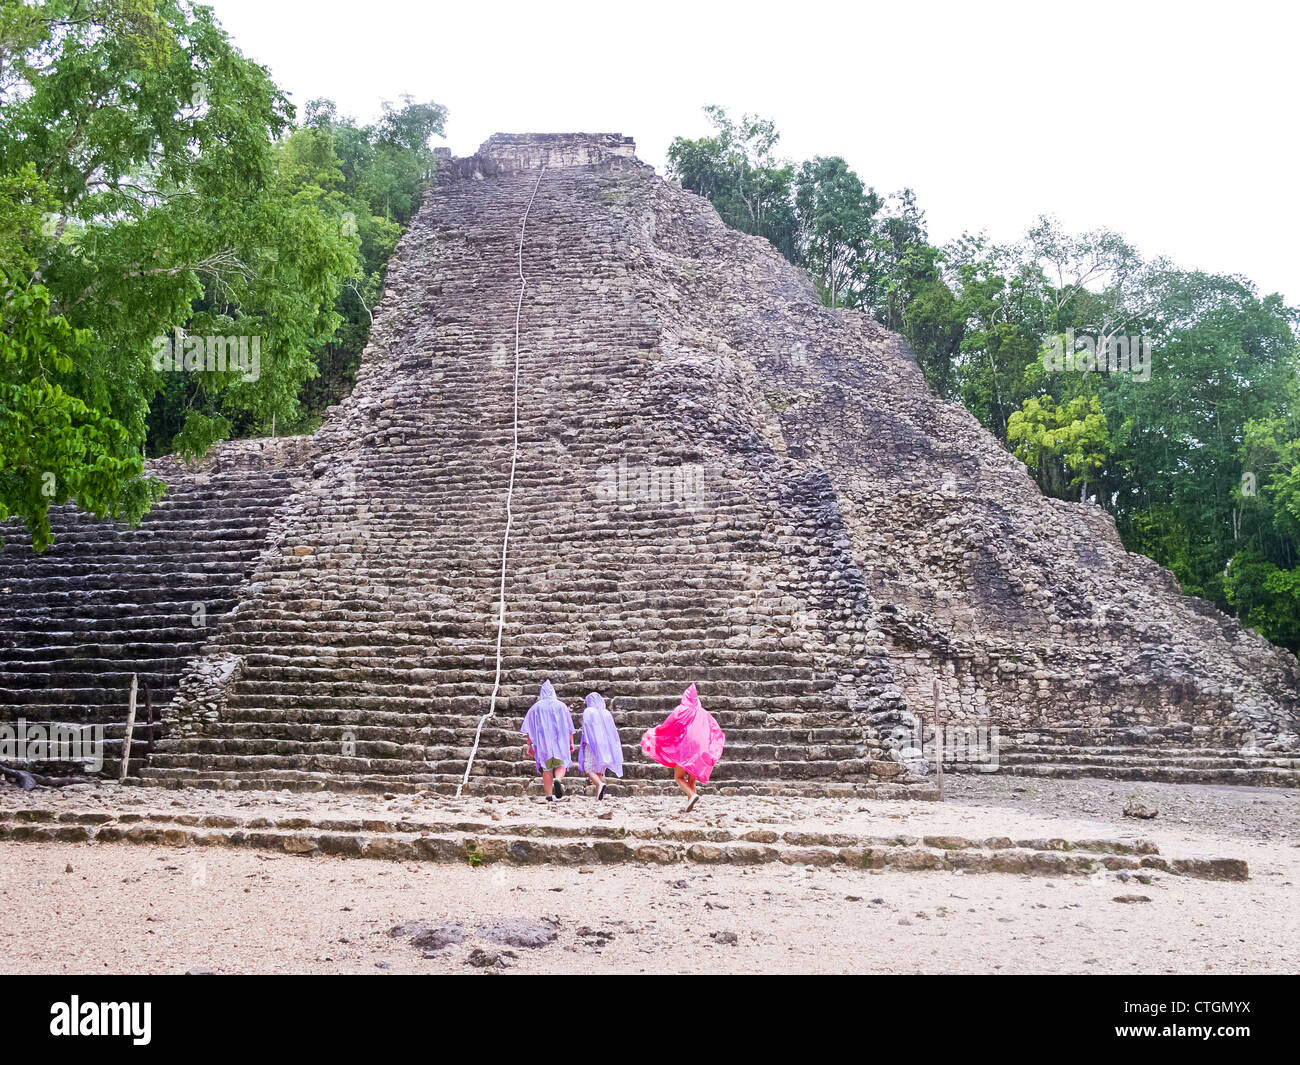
[
  {"x": 1168, "y": 774},
  {"x": 487, "y": 843}
]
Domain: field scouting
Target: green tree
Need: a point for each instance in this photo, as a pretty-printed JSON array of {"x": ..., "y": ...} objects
[
  {"x": 736, "y": 169},
  {"x": 1222, "y": 358},
  {"x": 835, "y": 212},
  {"x": 375, "y": 175},
  {"x": 1262, "y": 581},
  {"x": 1064, "y": 445},
  {"x": 146, "y": 140}
]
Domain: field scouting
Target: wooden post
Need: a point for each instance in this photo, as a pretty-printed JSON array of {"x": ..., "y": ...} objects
[
  {"x": 130, "y": 727},
  {"x": 938, "y": 741}
]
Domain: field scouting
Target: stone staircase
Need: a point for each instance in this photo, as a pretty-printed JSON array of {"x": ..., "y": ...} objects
[
  {"x": 105, "y": 602},
  {"x": 1179, "y": 754},
  {"x": 365, "y": 652},
  {"x": 719, "y": 481}
]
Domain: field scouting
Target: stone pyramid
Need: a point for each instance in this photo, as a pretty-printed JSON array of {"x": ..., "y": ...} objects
[{"x": 718, "y": 480}]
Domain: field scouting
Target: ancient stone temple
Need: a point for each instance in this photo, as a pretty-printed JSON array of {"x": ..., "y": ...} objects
[{"x": 718, "y": 480}]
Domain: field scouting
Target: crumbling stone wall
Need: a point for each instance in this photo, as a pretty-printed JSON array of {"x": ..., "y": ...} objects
[{"x": 1028, "y": 610}]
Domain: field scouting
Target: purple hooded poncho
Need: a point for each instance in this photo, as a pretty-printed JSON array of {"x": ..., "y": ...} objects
[
  {"x": 549, "y": 725},
  {"x": 601, "y": 750}
]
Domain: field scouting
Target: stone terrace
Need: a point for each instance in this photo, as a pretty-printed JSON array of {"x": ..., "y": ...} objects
[{"x": 104, "y": 602}]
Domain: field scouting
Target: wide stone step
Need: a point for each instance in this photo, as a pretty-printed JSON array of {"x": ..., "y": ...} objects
[
  {"x": 1151, "y": 752},
  {"x": 1226, "y": 759},
  {"x": 100, "y": 689},
  {"x": 736, "y": 767},
  {"x": 200, "y": 528},
  {"x": 92, "y": 655},
  {"x": 1263, "y": 778},
  {"x": 165, "y": 633},
  {"x": 1128, "y": 737},
  {"x": 50, "y": 594},
  {"x": 754, "y": 746},
  {"x": 487, "y": 842},
  {"x": 279, "y": 731},
  {"x": 445, "y": 784},
  {"x": 338, "y": 687},
  {"x": 430, "y": 715}
]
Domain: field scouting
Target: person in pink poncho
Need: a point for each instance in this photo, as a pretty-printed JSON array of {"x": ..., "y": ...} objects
[{"x": 688, "y": 742}]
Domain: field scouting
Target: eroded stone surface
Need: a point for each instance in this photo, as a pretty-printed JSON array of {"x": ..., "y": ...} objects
[{"x": 719, "y": 481}]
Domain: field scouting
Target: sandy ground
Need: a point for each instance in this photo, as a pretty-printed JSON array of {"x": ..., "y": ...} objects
[{"x": 85, "y": 908}]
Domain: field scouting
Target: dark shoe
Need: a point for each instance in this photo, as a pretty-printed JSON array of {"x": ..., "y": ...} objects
[
  {"x": 601, "y": 794},
  {"x": 559, "y": 790},
  {"x": 691, "y": 805},
  {"x": 550, "y": 798}
]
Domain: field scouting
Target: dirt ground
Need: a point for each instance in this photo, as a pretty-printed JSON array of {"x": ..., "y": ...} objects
[{"x": 119, "y": 908}]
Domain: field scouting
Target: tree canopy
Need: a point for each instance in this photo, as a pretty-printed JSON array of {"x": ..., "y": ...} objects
[
  {"x": 178, "y": 261},
  {"x": 1167, "y": 396}
]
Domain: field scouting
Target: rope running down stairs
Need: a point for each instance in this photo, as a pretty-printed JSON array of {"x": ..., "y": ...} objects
[{"x": 510, "y": 491}]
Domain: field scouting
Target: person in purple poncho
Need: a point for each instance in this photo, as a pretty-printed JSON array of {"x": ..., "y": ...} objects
[
  {"x": 601, "y": 751},
  {"x": 548, "y": 728}
]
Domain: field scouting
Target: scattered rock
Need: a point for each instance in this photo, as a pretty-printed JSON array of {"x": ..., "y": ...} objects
[
  {"x": 430, "y": 938},
  {"x": 595, "y": 937},
  {"x": 433, "y": 940},
  {"x": 724, "y": 938},
  {"x": 1133, "y": 808},
  {"x": 481, "y": 958},
  {"x": 518, "y": 932},
  {"x": 1131, "y": 898}
]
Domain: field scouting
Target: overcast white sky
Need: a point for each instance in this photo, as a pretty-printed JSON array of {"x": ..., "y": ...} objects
[{"x": 1172, "y": 123}]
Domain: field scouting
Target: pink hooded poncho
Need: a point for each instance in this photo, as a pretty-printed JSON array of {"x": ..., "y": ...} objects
[{"x": 688, "y": 737}]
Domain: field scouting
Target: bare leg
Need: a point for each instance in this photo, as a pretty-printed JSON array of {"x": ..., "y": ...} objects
[
  {"x": 547, "y": 782},
  {"x": 560, "y": 771},
  {"x": 596, "y": 779},
  {"x": 683, "y": 781}
]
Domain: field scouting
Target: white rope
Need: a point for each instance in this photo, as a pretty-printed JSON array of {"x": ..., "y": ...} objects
[{"x": 510, "y": 493}]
